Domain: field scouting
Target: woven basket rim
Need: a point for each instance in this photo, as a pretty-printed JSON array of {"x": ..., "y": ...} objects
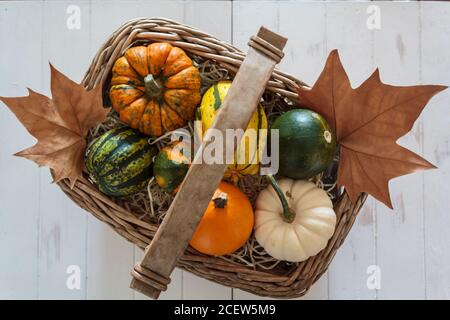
[{"x": 294, "y": 284}]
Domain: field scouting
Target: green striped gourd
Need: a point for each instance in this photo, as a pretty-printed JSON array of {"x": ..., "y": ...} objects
[{"x": 120, "y": 161}]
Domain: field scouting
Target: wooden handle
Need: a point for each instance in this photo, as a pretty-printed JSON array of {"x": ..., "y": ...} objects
[{"x": 173, "y": 235}]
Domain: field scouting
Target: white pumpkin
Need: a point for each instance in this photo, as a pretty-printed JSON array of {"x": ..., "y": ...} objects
[{"x": 299, "y": 228}]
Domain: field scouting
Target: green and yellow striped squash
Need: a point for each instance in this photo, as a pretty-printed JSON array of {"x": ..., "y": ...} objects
[
  {"x": 248, "y": 155},
  {"x": 120, "y": 162}
]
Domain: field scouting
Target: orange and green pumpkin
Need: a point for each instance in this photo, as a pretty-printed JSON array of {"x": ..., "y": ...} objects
[
  {"x": 155, "y": 88},
  {"x": 171, "y": 165}
]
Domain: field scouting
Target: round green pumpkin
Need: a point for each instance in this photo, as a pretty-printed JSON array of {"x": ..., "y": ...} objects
[
  {"x": 307, "y": 145},
  {"x": 171, "y": 165},
  {"x": 120, "y": 162}
]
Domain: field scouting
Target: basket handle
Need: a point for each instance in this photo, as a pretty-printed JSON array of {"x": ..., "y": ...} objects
[{"x": 151, "y": 276}]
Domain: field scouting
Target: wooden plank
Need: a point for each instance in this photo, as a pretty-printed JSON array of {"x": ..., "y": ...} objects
[
  {"x": 261, "y": 13},
  {"x": 174, "y": 290},
  {"x": 180, "y": 222},
  {"x": 21, "y": 36},
  {"x": 304, "y": 26},
  {"x": 346, "y": 30},
  {"x": 109, "y": 261},
  {"x": 106, "y": 18},
  {"x": 215, "y": 18},
  {"x": 173, "y": 10},
  {"x": 286, "y": 18},
  {"x": 196, "y": 288},
  {"x": 61, "y": 220},
  {"x": 435, "y": 66},
  {"x": 400, "y": 232},
  {"x": 109, "y": 257}
]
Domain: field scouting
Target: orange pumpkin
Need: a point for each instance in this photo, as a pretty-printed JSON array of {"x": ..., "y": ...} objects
[
  {"x": 226, "y": 224},
  {"x": 155, "y": 89}
]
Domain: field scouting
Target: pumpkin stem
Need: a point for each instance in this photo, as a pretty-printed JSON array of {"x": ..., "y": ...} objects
[
  {"x": 221, "y": 200},
  {"x": 288, "y": 214},
  {"x": 153, "y": 87}
]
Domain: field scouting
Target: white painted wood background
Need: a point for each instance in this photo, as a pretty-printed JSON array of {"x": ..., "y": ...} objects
[{"x": 42, "y": 232}]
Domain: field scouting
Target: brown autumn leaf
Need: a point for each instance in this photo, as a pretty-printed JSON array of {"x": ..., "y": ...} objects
[
  {"x": 368, "y": 121},
  {"x": 59, "y": 124}
]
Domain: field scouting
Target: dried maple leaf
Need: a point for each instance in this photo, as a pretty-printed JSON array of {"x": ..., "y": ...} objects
[
  {"x": 59, "y": 124},
  {"x": 368, "y": 121}
]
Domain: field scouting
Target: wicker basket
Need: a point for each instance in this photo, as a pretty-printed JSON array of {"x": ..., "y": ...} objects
[{"x": 279, "y": 282}]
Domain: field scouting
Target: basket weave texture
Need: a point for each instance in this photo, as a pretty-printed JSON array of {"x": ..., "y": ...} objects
[{"x": 279, "y": 283}]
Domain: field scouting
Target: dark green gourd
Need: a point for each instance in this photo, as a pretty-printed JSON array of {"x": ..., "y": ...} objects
[{"x": 307, "y": 144}]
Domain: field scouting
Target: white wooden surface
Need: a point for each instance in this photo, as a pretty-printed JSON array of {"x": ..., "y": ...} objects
[{"x": 42, "y": 232}]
